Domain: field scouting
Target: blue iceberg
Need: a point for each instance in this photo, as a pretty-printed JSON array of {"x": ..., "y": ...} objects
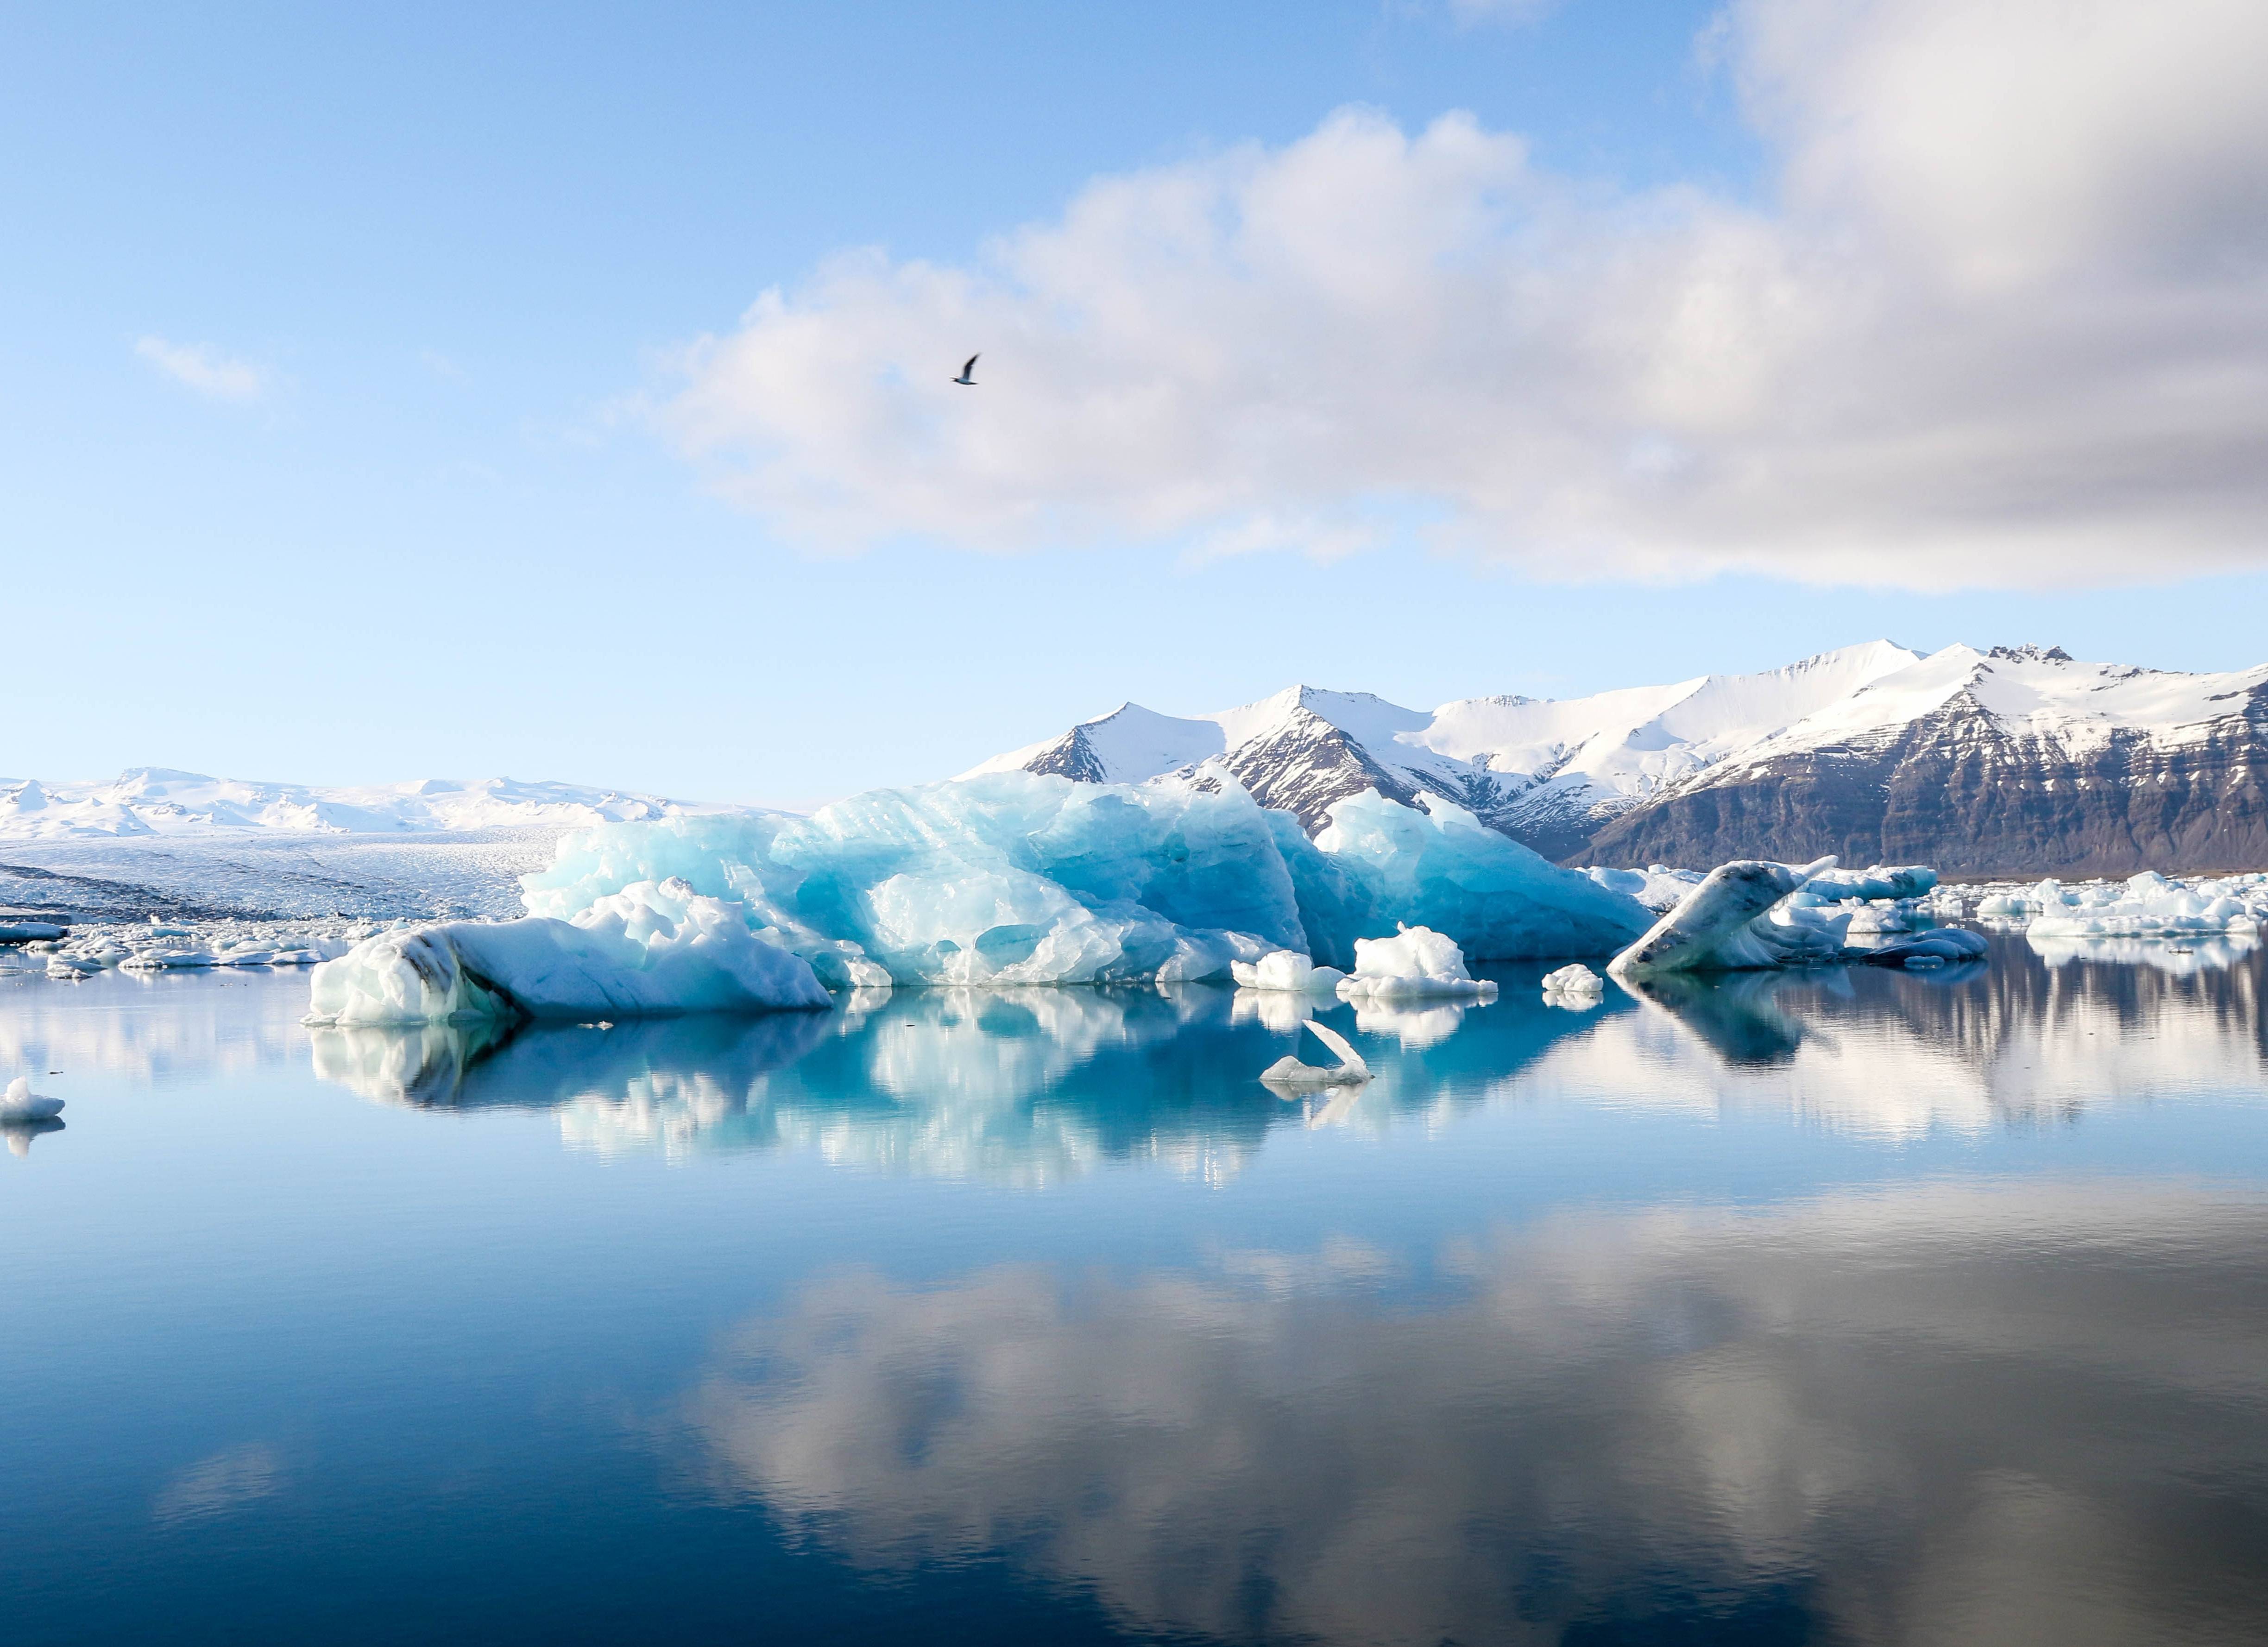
[{"x": 1020, "y": 878}]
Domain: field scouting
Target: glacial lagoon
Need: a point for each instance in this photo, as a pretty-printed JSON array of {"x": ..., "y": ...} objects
[{"x": 1832, "y": 1305}]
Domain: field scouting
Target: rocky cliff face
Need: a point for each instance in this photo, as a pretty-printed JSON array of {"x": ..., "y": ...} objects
[{"x": 1961, "y": 789}]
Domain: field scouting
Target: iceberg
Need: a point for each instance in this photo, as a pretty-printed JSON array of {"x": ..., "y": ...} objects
[
  {"x": 1416, "y": 961},
  {"x": 653, "y": 948},
  {"x": 20, "y": 1104},
  {"x": 1287, "y": 970},
  {"x": 1575, "y": 987},
  {"x": 1015, "y": 877},
  {"x": 1716, "y": 927},
  {"x": 1290, "y": 1072}
]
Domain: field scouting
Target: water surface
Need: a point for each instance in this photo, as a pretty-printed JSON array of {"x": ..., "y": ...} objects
[{"x": 1841, "y": 1306}]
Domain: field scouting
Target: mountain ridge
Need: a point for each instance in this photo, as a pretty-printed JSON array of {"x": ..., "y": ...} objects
[{"x": 2010, "y": 760}]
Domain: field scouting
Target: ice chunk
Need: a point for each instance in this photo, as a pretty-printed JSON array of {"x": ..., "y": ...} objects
[
  {"x": 1575, "y": 985},
  {"x": 1834, "y": 886},
  {"x": 30, "y": 931},
  {"x": 1937, "y": 948},
  {"x": 169, "y": 960},
  {"x": 650, "y": 949},
  {"x": 1715, "y": 928},
  {"x": 1286, "y": 968},
  {"x": 1418, "y": 962},
  {"x": 20, "y": 1104},
  {"x": 1290, "y": 1072}
]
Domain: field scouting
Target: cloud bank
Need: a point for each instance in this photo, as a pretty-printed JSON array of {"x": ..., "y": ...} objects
[{"x": 2005, "y": 322}]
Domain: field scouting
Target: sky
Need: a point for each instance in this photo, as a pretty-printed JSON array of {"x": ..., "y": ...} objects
[{"x": 562, "y": 391}]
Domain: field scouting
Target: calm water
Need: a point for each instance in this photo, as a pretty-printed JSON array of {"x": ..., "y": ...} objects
[{"x": 1855, "y": 1307}]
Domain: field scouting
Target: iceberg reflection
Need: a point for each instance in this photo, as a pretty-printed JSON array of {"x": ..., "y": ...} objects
[
  {"x": 1033, "y": 1086},
  {"x": 1808, "y": 1420}
]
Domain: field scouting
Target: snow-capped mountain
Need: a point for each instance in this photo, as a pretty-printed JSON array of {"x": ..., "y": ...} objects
[
  {"x": 2012, "y": 761},
  {"x": 153, "y": 800}
]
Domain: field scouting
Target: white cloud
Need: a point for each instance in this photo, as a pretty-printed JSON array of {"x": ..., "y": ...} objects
[
  {"x": 205, "y": 369},
  {"x": 2008, "y": 324}
]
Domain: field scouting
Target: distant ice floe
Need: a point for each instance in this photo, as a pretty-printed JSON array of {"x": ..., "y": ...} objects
[{"x": 2145, "y": 905}]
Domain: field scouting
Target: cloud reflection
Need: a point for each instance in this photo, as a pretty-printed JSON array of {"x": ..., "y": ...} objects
[{"x": 1908, "y": 1418}]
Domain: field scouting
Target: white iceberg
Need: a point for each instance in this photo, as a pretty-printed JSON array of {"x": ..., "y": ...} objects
[
  {"x": 1290, "y": 1072},
  {"x": 652, "y": 949},
  {"x": 2148, "y": 904},
  {"x": 1417, "y": 962},
  {"x": 20, "y": 1104},
  {"x": 1575, "y": 986},
  {"x": 1287, "y": 970}
]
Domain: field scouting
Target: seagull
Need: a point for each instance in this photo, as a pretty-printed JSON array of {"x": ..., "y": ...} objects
[{"x": 966, "y": 380}]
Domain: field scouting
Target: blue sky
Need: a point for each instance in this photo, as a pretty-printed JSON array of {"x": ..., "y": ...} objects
[{"x": 354, "y": 423}]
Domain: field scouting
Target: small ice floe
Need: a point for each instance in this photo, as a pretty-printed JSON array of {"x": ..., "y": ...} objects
[
  {"x": 169, "y": 961},
  {"x": 1943, "y": 946},
  {"x": 1418, "y": 962},
  {"x": 20, "y": 1104},
  {"x": 1290, "y": 1072},
  {"x": 31, "y": 931},
  {"x": 1575, "y": 987},
  {"x": 1287, "y": 970}
]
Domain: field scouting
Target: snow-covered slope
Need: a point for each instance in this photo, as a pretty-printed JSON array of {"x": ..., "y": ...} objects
[
  {"x": 1992, "y": 763},
  {"x": 1549, "y": 772},
  {"x": 179, "y": 845},
  {"x": 154, "y": 800},
  {"x": 2008, "y": 761}
]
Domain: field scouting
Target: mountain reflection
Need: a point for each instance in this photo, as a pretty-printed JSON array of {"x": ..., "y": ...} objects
[
  {"x": 1909, "y": 1417},
  {"x": 1034, "y": 1086}
]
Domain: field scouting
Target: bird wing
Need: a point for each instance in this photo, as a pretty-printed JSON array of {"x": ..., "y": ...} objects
[{"x": 971, "y": 367}]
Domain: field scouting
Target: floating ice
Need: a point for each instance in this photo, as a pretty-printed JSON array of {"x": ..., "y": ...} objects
[
  {"x": 1018, "y": 878},
  {"x": 1417, "y": 962},
  {"x": 20, "y": 1104},
  {"x": 13, "y": 931},
  {"x": 1287, "y": 969},
  {"x": 1290, "y": 1072},
  {"x": 1575, "y": 985},
  {"x": 169, "y": 960},
  {"x": 651, "y": 949},
  {"x": 1936, "y": 947},
  {"x": 2148, "y": 904},
  {"x": 1715, "y": 928}
]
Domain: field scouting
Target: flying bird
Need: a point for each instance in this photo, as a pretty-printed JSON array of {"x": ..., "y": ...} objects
[{"x": 966, "y": 380}]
